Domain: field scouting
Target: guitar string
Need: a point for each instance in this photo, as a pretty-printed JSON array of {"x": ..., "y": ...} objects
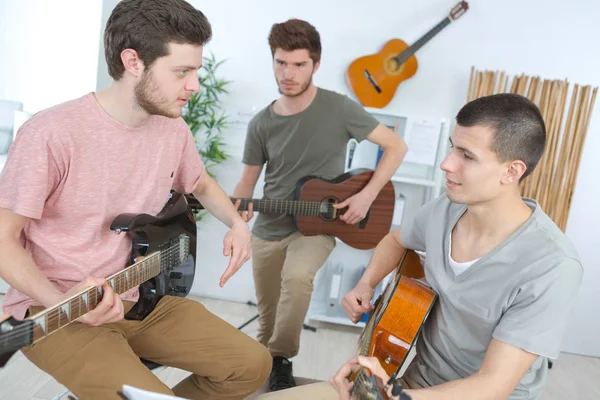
[
  {"x": 364, "y": 383},
  {"x": 310, "y": 207},
  {"x": 55, "y": 312},
  {"x": 301, "y": 205},
  {"x": 14, "y": 334}
]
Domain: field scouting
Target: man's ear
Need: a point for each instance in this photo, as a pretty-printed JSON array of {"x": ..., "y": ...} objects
[
  {"x": 514, "y": 172},
  {"x": 316, "y": 67},
  {"x": 132, "y": 63}
]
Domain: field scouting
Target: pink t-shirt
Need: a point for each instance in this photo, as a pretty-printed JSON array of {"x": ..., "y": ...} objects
[{"x": 72, "y": 169}]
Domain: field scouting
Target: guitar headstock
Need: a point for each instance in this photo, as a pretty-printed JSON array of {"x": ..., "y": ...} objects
[
  {"x": 14, "y": 334},
  {"x": 458, "y": 10}
]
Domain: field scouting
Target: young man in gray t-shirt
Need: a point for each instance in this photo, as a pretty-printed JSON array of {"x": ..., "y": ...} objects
[
  {"x": 505, "y": 275},
  {"x": 303, "y": 133}
]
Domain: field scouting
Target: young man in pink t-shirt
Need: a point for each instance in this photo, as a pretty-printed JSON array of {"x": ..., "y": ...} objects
[{"x": 72, "y": 169}]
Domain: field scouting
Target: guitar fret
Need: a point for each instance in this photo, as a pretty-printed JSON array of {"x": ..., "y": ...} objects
[
  {"x": 63, "y": 314},
  {"x": 66, "y": 309},
  {"x": 406, "y": 54},
  {"x": 52, "y": 321}
]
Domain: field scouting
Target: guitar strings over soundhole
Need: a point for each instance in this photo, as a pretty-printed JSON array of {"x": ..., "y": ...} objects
[{"x": 327, "y": 211}]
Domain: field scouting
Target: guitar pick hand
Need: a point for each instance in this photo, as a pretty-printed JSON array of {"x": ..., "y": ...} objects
[{"x": 358, "y": 206}]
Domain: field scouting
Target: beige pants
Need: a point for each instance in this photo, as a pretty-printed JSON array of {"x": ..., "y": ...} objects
[
  {"x": 319, "y": 391},
  {"x": 95, "y": 362},
  {"x": 284, "y": 271}
]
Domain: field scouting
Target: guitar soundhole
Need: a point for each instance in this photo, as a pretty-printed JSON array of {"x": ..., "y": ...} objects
[{"x": 326, "y": 210}]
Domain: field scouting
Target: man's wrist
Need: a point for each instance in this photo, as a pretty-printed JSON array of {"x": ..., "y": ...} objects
[{"x": 369, "y": 192}]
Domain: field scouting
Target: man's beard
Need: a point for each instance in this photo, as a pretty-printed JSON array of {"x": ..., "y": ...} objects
[
  {"x": 144, "y": 97},
  {"x": 303, "y": 88}
]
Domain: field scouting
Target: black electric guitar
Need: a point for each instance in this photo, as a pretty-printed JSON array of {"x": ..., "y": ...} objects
[{"x": 167, "y": 243}]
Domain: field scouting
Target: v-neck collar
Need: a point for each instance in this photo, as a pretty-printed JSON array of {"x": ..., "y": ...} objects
[{"x": 446, "y": 241}]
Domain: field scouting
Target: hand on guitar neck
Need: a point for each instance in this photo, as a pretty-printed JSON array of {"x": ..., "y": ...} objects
[
  {"x": 245, "y": 214},
  {"x": 109, "y": 309}
]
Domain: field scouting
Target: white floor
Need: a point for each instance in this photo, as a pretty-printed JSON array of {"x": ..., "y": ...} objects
[{"x": 321, "y": 354}]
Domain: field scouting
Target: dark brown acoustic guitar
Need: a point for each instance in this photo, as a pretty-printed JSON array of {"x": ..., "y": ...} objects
[
  {"x": 375, "y": 78},
  {"x": 313, "y": 212},
  {"x": 394, "y": 325}
]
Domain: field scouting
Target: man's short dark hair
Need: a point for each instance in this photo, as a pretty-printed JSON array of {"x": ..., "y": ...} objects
[
  {"x": 517, "y": 123},
  {"x": 147, "y": 26},
  {"x": 296, "y": 34}
]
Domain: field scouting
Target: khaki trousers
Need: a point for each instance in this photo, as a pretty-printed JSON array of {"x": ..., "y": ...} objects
[
  {"x": 95, "y": 362},
  {"x": 320, "y": 391},
  {"x": 284, "y": 271}
]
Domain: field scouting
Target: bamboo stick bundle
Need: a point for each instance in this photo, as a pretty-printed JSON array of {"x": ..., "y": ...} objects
[
  {"x": 515, "y": 83},
  {"x": 566, "y": 155},
  {"x": 471, "y": 84},
  {"x": 542, "y": 176},
  {"x": 586, "y": 114},
  {"x": 552, "y": 184},
  {"x": 530, "y": 187},
  {"x": 523, "y": 82},
  {"x": 552, "y": 142},
  {"x": 491, "y": 83},
  {"x": 501, "y": 87}
]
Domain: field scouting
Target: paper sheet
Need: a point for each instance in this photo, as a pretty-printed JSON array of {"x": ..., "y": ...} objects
[
  {"x": 422, "y": 137},
  {"x": 133, "y": 393},
  {"x": 398, "y": 210}
]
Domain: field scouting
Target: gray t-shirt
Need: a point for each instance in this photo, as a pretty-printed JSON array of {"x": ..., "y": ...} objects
[
  {"x": 520, "y": 293},
  {"x": 311, "y": 142}
]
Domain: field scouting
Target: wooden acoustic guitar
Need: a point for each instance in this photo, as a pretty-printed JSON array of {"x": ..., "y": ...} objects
[
  {"x": 313, "y": 212},
  {"x": 394, "y": 325},
  {"x": 167, "y": 243},
  {"x": 375, "y": 78}
]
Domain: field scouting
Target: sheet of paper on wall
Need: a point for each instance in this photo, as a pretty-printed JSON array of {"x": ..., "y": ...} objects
[
  {"x": 398, "y": 211},
  {"x": 422, "y": 136},
  {"x": 133, "y": 393}
]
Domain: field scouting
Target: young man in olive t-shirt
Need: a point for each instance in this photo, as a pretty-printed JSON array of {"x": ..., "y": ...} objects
[{"x": 304, "y": 132}]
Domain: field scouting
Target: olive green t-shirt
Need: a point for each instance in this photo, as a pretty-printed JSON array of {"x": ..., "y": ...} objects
[{"x": 311, "y": 142}]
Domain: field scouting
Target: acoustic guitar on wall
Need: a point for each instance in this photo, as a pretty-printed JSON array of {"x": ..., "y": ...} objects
[{"x": 375, "y": 78}]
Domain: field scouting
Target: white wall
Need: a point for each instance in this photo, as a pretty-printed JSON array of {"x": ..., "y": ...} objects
[
  {"x": 48, "y": 50},
  {"x": 537, "y": 37}
]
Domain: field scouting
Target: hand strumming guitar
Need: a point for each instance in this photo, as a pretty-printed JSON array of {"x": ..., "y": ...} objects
[
  {"x": 358, "y": 206},
  {"x": 358, "y": 301}
]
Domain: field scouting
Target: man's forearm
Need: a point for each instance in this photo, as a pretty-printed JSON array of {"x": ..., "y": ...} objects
[
  {"x": 385, "y": 258},
  {"x": 19, "y": 271},
  {"x": 216, "y": 202},
  {"x": 387, "y": 167},
  {"x": 243, "y": 190},
  {"x": 474, "y": 387}
]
